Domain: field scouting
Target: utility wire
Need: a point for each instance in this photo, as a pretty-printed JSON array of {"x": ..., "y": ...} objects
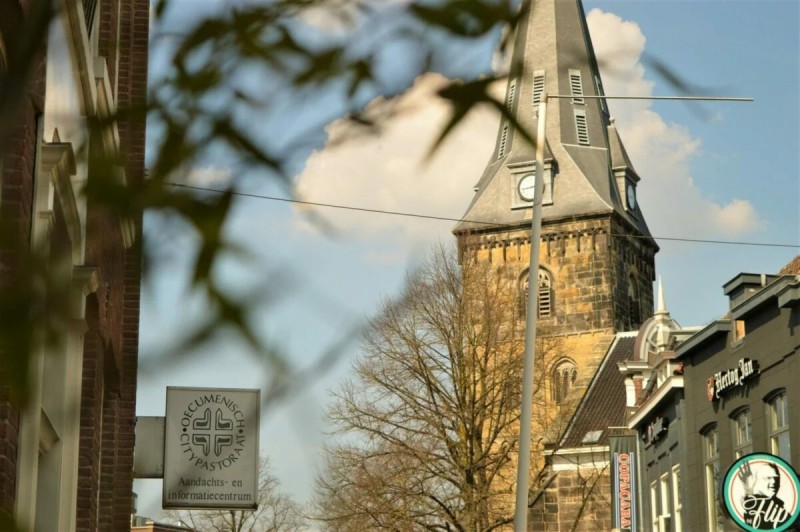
[{"x": 448, "y": 219}]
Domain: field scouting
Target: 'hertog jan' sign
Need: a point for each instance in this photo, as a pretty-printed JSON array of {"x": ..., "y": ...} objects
[{"x": 211, "y": 448}]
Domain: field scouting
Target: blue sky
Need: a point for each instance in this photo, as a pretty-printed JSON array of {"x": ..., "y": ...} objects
[{"x": 709, "y": 171}]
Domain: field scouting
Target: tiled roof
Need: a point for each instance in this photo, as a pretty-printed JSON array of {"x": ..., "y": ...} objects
[
  {"x": 793, "y": 268},
  {"x": 603, "y": 405}
]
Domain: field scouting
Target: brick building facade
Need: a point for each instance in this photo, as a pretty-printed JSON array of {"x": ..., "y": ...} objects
[{"x": 66, "y": 445}]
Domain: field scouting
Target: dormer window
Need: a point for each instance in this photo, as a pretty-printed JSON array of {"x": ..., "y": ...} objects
[
  {"x": 581, "y": 127},
  {"x": 545, "y": 294},
  {"x": 501, "y": 149},
  {"x": 576, "y": 86},
  {"x": 600, "y": 92},
  {"x": 538, "y": 86}
]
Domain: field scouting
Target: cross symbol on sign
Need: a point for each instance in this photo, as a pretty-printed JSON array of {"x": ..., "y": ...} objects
[{"x": 220, "y": 432}]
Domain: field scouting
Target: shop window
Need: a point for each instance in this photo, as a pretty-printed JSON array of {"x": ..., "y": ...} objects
[
  {"x": 563, "y": 380},
  {"x": 714, "y": 517},
  {"x": 742, "y": 433},
  {"x": 778, "y": 418},
  {"x": 677, "y": 501}
]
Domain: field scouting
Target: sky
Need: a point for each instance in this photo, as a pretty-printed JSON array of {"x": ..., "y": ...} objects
[{"x": 711, "y": 171}]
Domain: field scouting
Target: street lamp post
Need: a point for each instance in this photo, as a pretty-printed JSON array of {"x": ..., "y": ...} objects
[{"x": 526, "y": 409}]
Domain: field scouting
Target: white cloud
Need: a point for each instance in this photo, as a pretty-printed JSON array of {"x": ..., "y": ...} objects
[
  {"x": 388, "y": 171},
  {"x": 662, "y": 153},
  {"x": 203, "y": 176}
]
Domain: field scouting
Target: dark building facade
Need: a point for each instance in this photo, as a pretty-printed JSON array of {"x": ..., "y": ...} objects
[
  {"x": 741, "y": 375},
  {"x": 66, "y": 447},
  {"x": 657, "y": 414}
]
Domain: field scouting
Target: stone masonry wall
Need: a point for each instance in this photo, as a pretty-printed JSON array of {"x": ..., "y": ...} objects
[{"x": 575, "y": 501}]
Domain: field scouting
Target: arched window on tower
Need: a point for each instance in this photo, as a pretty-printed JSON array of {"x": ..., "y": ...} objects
[
  {"x": 562, "y": 380},
  {"x": 634, "y": 316},
  {"x": 545, "y": 293}
]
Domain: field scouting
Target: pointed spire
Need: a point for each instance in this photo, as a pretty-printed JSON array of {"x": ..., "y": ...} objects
[
  {"x": 663, "y": 320},
  {"x": 661, "y": 307},
  {"x": 553, "y": 54}
]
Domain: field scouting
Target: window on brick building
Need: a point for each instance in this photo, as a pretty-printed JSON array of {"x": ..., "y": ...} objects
[
  {"x": 742, "y": 433},
  {"x": 778, "y": 419},
  {"x": 89, "y": 10},
  {"x": 710, "y": 443},
  {"x": 738, "y": 331},
  {"x": 654, "y": 505},
  {"x": 665, "y": 503},
  {"x": 562, "y": 380},
  {"x": 677, "y": 500}
]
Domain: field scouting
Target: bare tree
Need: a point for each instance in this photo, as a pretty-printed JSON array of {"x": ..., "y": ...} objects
[
  {"x": 276, "y": 512},
  {"x": 430, "y": 418}
]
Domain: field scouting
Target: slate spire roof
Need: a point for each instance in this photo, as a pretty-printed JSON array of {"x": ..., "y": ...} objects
[{"x": 553, "y": 54}]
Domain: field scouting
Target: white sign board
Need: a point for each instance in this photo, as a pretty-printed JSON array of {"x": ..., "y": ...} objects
[{"x": 211, "y": 448}]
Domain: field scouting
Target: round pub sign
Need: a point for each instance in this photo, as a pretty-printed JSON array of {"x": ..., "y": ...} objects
[{"x": 760, "y": 492}]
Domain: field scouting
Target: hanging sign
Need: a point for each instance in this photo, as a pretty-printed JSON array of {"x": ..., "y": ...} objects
[
  {"x": 623, "y": 482},
  {"x": 760, "y": 492},
  {"x": 211, "y": 448},
  {"x": 722, "y": 381}
]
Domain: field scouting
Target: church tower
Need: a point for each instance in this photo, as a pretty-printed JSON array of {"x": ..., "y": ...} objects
[{"x": 597, "y": 254}]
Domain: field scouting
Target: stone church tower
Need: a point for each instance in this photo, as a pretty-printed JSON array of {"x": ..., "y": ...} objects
[{"x": 597, "y": 255}]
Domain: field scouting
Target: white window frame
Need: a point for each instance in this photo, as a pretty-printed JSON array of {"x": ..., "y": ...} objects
[
  {"x": 710, "y": 443},
  {"x": 677, "y": 502},
  {"x": 742, "y": 435},
  {"x": 778, "y": 419},
  {"x": 654, "y": 505}
]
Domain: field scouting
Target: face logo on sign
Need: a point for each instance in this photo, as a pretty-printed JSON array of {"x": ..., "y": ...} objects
[
  {"x": 760, "y": 492},
  {"x": 212, "y": 432}
]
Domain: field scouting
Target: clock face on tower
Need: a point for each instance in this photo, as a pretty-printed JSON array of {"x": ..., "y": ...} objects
[
  {"x": 631, "y": 192},
  {"x": 527, "y": 187}
]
